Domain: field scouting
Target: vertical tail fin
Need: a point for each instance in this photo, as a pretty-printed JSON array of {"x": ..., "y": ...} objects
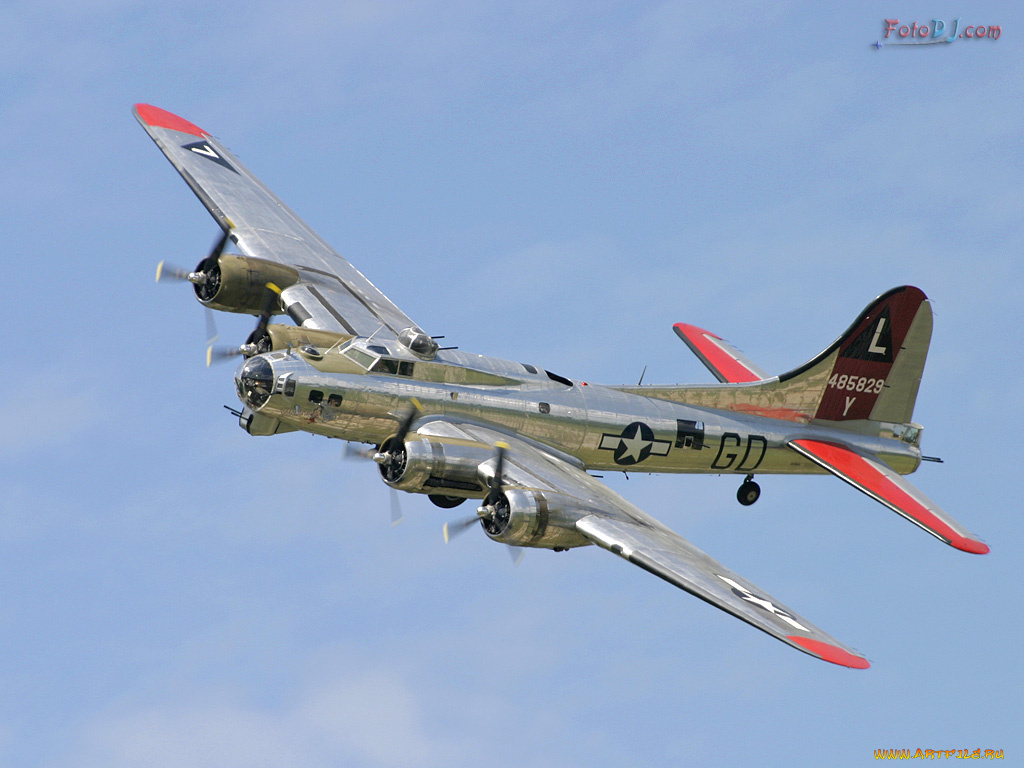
[
  {"x": 871, "y": 372},
  {"x": 874, "y": 369}
]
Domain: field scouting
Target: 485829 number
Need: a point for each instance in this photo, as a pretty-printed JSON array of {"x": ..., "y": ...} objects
[{"x": 856, "y": 383}]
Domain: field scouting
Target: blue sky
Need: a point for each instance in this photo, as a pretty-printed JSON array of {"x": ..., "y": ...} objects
[{"x": 552, "y": 182}]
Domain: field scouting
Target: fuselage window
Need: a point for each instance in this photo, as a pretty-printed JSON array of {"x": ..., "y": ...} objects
[
  {"x": 316, "y": 396},
  {"x": 559, "y": 379},
  {"x": 289, "y": 387},
  {"x": 334, "y": 401},
  {"x": 544, "y": 407}
]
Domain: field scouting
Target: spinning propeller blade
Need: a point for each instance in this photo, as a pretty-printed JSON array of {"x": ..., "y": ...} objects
[
  {"x": 396, "y": 509},
  {"x": 406, "y": 423}
]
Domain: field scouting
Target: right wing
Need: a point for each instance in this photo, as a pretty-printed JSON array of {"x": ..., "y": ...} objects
[
  {"x": 608, "y": 520},
  {"x": 331, "y": 294},
  {"x": 670, "y": 557},
  {"x": 727, "y": 363}
]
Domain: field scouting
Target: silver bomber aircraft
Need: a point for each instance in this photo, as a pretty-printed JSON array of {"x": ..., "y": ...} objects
[{"x": 522, "y": 440}]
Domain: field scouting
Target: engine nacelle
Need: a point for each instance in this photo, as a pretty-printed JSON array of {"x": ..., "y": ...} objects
[
  {"x": 522, "y": 518},
  {"x": 276, "y": 336},
  {"x": 234, "y": 283},
  {"x": 526, "y": 518},
  {"x": 430, "y": 466}
]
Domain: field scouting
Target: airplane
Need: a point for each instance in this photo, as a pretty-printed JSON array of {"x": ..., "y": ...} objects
[{"x": 523, "y": 440}]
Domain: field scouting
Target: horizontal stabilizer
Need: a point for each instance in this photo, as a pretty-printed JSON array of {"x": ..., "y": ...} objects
[
  {"x": 727, "y": 363},
  {"x": 881, "y": 483}
]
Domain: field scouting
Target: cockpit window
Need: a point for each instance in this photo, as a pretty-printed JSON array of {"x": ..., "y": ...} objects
[
  {"x": 390, "y": 365},
  {"x": 385, "y": 365},
  {"x": 360, "y": 357}
]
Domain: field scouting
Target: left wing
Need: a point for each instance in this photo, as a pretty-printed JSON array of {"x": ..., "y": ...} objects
[
  {"x": 331, "y": 294},
  {"x": 608, "y": 520}
]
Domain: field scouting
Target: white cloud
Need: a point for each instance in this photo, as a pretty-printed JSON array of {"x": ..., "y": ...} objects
[{"x": 370, "y": 717}]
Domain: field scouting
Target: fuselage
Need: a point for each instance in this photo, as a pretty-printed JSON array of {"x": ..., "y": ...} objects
[{"x": 359, "y": 390}]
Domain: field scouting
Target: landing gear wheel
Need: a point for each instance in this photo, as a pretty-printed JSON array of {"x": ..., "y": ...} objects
[
  {"x": 445, "y": 502},
  {"x": 748, "y": 493}
]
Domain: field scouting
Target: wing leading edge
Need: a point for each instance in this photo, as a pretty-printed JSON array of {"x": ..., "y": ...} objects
[
  {"x": 608, "y": 520},
  {"x": 331, "y": 293}
]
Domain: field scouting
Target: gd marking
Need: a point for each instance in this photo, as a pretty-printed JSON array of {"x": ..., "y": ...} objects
[{"x": 729, "y": 452}]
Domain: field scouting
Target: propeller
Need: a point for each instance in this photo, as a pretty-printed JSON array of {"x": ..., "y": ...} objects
[
  {"x": 169, "y": 272},
  {"x": 453, "y": 529},
  {"x": 396, "y": 509},
  {"x": 406, "y": 423},
  {"x": 352, "y": 453},
  {"x": 391, "y": 456},
  {"x": 200, "y": 277},
  {"x": 495, "y": 480},
  {"x": 207, "y": 284},
  {"x": 257, "y": 342},
  {"x": 493, "y": 512}
]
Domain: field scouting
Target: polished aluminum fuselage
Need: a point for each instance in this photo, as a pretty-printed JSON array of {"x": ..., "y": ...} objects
[{"x": 604, "y": 428}]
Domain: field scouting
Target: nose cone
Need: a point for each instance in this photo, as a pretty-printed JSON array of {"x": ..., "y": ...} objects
[{"x": 255, "y": 381}]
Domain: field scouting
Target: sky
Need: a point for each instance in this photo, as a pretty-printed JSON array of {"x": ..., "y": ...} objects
[{"x": 553, "y": 182}]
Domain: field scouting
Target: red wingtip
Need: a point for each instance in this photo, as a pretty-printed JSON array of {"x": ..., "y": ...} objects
[
  {"x": 830, "y": 653},
  {"x": 161, "y": 118},
  {"x": 970, "y": 545},
  {"x": 693, "y": 330}
]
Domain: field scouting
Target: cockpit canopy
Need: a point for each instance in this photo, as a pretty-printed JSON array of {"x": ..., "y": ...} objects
[{"x": 375, "y": 364}]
